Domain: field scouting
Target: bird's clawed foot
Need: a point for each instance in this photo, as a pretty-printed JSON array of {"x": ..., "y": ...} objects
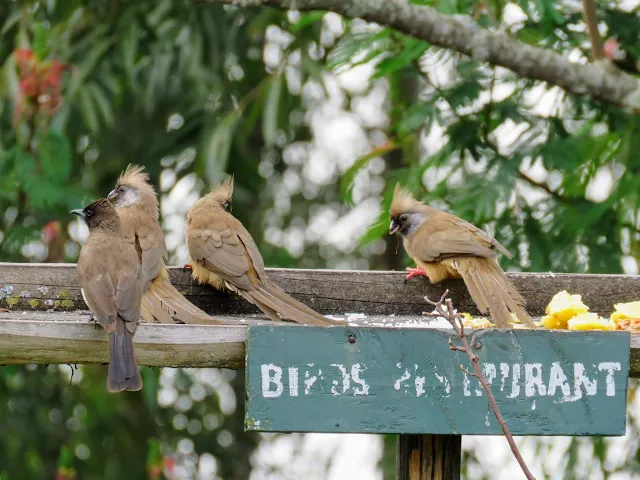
[
  {"x": 187, "y": 266},
  {"x": 415, "y": 272}
]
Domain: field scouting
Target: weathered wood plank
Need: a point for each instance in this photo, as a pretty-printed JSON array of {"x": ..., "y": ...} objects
[
  {"x": 37, "y": 337},
  {"x": 68, "y": 337},
  {"x": 428, "y": 457},
  {"x": 408, "y": 381},
  {"x": 54, "y": 286},
  {"x": 76, "y": 341}
]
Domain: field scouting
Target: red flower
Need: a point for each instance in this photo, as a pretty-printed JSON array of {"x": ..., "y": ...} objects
[
  {"x": 29, "y": 86},
  {"x": 40, "y": 84},
  {"x": 169, "y": 464},
  {"x": 24, "y": 56}
]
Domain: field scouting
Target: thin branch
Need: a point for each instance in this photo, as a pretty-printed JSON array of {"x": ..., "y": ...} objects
[
  {"x": 591, "y": 20},
  {"x": 461, "y": 34},
  {"x": 72, "y": 372},
  {"x": 489, "y": 108},
  {"x": 467, "y": 347},
  {"x": 545, "y": 187}
]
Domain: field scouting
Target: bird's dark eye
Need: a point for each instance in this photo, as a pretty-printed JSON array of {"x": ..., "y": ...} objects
[
  {"x": 227, "y": 206},
  {"x": 121, "y": 189},
  {"x": 88, "y": 213},
  {"x": 403, "y": 217}
]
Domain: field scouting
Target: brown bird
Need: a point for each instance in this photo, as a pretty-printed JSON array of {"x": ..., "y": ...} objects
[
  {"x": 223, "y": 254},
  {"x": 445, "y": 246},
  {"x": 109, "y": 275},
  {"x": 137, "y": 205}
]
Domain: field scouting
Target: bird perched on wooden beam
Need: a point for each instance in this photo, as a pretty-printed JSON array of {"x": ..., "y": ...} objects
[
  {"x": 224, "y": 255},
  {"x": 109, "y": 274},
  {"x": 445, "y": 246},
  {"x": 136, "y": 202}
]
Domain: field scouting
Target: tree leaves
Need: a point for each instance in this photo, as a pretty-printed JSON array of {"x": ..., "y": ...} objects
[
  {"x": 346, "y": 183},
  {"x": 411, "y": 49},
  {"x": 217, "y": 145},
  {"x": 417, "y": 116},
  {"x": 271, "y": 109},
  {"x": 55, "y": 156},
  {"x": 356, "y": 48}
]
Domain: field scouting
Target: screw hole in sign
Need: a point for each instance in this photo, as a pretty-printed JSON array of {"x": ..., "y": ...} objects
[{"x": 352, "y": 338}]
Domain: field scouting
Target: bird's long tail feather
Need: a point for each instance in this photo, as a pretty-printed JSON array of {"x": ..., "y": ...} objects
[
  {"x": 492, "y": 291},
  {"x": 272, "y": 300},
  {"x": 163, "y": 303},
  {"x": 124, "y": 373}
]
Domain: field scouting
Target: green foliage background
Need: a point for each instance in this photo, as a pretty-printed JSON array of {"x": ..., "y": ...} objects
[{"x": 189, "y": 89}]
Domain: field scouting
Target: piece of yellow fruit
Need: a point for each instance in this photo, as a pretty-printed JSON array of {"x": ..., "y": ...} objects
[
  {"x": 564, "y": 306},
  {"x": 589, "y": 321},
  {"x": 625, "y": 311},
  {"x": 480, "y": 322},
  {"x": 553, "y": 322}
]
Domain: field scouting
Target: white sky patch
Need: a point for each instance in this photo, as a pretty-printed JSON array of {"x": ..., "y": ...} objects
[
  {"x": 600, "y": 186},
  {"x": 345, "y": 231}
]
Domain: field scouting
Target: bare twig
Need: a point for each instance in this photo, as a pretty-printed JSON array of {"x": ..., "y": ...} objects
[
  {"x": 489, "y": 108},
  {"x": 591, "y": 20},
  {"x": 546, "y": 188},
  {"x": 72, "y": 372},
  {"x": 447, "y": 311}
]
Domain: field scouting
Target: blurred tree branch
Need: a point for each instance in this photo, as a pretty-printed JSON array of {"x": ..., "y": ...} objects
[
  {"x": 544, "y": 186},
  {"x": 461, "y": 34}
]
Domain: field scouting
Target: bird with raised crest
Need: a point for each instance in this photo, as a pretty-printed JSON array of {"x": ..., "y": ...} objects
[
  {"x": 445, "y": 246},
  {"x": 224, "y": 255},
  {"x": 136, "y": 202}
]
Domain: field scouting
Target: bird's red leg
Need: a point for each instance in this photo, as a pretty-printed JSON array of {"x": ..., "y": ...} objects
[
  {"x": 187, "y": 266},
  {"x": 415, "y": 272}
]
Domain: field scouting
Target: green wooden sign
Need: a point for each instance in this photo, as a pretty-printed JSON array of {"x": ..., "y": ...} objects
[{"x": 386, "y": 380}]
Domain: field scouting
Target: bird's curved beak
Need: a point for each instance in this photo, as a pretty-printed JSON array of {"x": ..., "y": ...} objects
[
  {"x": 78, "y": 211},
  {"x": 112, "y": 195},
  {"x": 393, "y": 227}
]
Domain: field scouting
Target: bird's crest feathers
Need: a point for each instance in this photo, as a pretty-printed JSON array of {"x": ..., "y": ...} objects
[
  {"x": 224, "y": 188},
  {"x": 403, "y": 202},
  {"x": 223, "y": 191},
  {"x": 135, "y": 176}
]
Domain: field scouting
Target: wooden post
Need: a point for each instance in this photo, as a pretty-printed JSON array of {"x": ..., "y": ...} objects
[{"x": 428, "y": 457}]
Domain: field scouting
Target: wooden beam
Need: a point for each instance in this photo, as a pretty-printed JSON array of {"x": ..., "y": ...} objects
[
  {"x": 68, "y": 337},
  {"x": 75, "y": 340},
  {"x": 54, "y": 286},
  {"x": 428, "y": 457},
  {"x": 30, "y": 290}
]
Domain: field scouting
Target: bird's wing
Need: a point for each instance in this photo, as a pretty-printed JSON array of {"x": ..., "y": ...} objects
[
  {"x": 221, "y": 251},
  {"x": 154, "y": 250},
  {"x": 100, "y": 296},
  {"x": 448, "y": 236},
  {"x": 481, "y": 236},
  {"x": 128, "y": 297},
  {"x": 252, "y": 250}
]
